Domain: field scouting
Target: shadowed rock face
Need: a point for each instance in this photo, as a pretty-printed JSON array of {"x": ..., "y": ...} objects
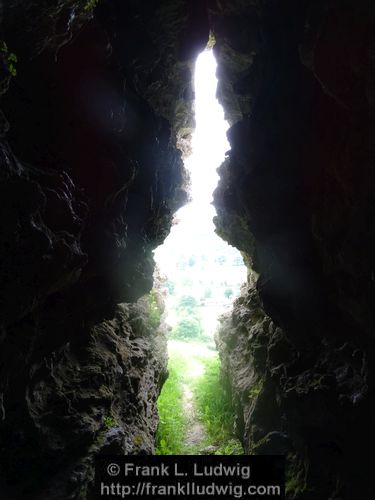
[
  {"x": 90, "y": 177},
  {"x": 296, "y": 197}
]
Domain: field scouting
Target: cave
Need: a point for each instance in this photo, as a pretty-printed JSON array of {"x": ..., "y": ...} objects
[{"x": 96, "y": 117}]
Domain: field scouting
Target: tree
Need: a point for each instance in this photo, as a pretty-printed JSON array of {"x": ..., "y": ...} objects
[
  {"x": 171, "y": 287},
  {"x": 187, "y": 302},
  {"x": 221, "y": 259},
  {"x": 228, "y": 292},
  {"x": 187, "y": 328},
  {"x": 191, "y": 261}
]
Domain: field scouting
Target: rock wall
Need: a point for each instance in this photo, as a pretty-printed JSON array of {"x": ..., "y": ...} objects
[
  {"x": 296, "y": 197},
  {"x": 96, "y": 97}
]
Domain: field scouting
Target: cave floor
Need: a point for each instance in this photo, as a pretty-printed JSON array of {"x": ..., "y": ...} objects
[
  {"x": 196, "y": 393},
  {"x": 196, "y": 435}
]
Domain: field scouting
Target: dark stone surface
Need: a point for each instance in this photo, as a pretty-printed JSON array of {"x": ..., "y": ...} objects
[
  {"x": 296, "y": 197},
  {"x": 94, "y": 103},
  {"x": 90, "y": 177}
]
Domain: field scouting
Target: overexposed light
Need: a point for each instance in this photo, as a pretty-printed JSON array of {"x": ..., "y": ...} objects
[
  {"x": 194, "y": 353},
  {"x": 194, "y": 235},
  {"x": 209, "y": 144}
]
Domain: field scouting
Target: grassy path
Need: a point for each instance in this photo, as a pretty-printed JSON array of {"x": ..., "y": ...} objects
[
  {"x": 196, "y": 434},
  {"x": 195, "y": 414}
]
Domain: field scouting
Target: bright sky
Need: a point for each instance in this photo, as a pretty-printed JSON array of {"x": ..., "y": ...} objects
[
  {"x": 209, "y": 142},
  {"x": 194, "y": 232}
]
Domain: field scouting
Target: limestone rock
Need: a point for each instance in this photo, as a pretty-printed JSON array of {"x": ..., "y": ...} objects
[
  {"x": 294, "y": 196},
  {"x": 91, "y": 116}
]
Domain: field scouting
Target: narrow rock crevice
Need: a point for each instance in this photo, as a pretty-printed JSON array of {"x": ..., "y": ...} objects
[{"x": 96, "y": 115}]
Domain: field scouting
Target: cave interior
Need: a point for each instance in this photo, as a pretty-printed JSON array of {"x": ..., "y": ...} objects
[{"x": 96, "y": 118}]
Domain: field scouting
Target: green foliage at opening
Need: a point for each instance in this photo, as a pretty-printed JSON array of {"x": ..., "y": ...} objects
[
  {"x": 170, "y": 286},
  {"x": 216, "y": 410},
  {"x": 211, "y": 404},
  {"x": 171, "y": 431},
  {"x": 189, "y": 325},
  {"x": 187, "y": 303},
  {"x": 187, "y": 328},
  {"x": 155, "y": 311},
  {"x": 10, "y": 59},
  {"x": 90, "y": 5}
]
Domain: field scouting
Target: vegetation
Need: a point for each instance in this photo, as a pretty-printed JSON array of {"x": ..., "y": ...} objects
[
  {"x": 10, "y": 59},
  {"x": 255, "y": 390},
  {"x": 170, "y": 286},
  {"x": 155, "y": 310},
  {"x": 294, "y": 486},
  {"x": 171, "y": 431},
  {"x": 187, "y": 304},
  {"x": 90, "y": 5},
  {"x": 190, "y": 268},
  {"x": 295, "y": 478},
  {"x": 211, "y": 401},
  {"x": 189, "y": 324},
  {"x": 211, "y": 40},
  {"x": 109, "y": 422},
  {"x": 195, "y": 292},
  {"x": 187, "y": 328},
  {"x": 215, "y": 409}
]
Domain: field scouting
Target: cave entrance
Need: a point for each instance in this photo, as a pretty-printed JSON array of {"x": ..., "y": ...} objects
[{"x": 199, "y": 276}]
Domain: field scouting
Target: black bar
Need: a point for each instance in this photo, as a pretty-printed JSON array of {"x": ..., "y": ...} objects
[{"x": 193, "y": 477}]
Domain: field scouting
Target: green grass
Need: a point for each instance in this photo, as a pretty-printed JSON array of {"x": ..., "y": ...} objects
[
  {"x": 172, "y": 422},
  {"x": 194, "y": 364},
  {"x": 215, "y": 409}
]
